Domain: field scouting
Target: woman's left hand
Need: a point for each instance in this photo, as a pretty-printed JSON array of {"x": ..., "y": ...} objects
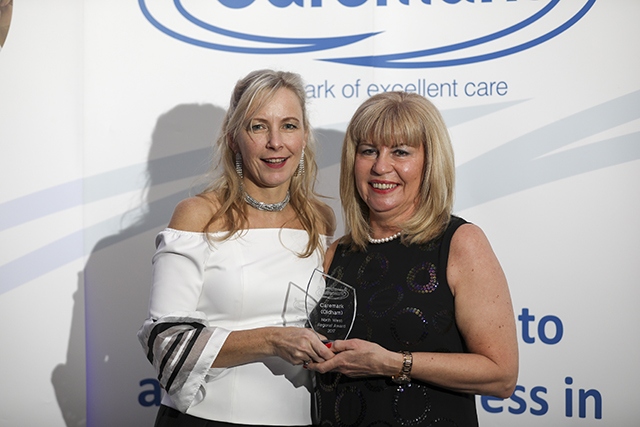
[{"x": 360, "y": 358}]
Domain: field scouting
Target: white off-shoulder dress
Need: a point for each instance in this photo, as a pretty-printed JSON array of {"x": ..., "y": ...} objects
[{"x": 204, "y": 289}]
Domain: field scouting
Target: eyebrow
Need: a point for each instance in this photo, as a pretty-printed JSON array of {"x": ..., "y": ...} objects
[
  {"x": 394, "y": 145},
  {"x": 285, "y": 119}
]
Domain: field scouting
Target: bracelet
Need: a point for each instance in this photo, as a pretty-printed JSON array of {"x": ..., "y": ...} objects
[{"x": 404, "y": 376}]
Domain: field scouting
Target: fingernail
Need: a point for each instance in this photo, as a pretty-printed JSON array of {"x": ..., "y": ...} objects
[{"x": 329, "y": 344}]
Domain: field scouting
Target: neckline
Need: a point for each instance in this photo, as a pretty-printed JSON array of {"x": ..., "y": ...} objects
[{"x": 244, "y": 230}]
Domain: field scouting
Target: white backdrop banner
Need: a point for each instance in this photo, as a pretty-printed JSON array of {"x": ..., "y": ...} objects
[{"x": 108, "y": 111}]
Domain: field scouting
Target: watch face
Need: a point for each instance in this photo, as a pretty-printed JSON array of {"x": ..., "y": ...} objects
[{"x": 406, "y": 363}]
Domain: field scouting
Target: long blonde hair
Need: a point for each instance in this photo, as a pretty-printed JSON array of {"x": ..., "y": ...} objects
[
  {"x": 400, "y": 118},
  {"x": 249, "y": 95}
]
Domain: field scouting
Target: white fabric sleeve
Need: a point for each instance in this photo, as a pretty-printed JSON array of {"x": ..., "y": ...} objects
[{"x": 177, "y": 339}]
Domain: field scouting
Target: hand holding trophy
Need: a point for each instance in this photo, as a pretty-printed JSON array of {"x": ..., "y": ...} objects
[{"x": 330, "y": 305}]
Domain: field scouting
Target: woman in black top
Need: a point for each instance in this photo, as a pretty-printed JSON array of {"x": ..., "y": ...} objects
[{"x": 435, "y": 324}]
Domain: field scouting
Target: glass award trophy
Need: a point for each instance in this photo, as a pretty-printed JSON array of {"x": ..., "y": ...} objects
[{"x": 330, "y": 305}]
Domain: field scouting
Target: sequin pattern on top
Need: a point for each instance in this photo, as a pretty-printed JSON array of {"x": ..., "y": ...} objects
[
  {"x": 404, "y": 303},
  {"x": 416, "y": 282}
]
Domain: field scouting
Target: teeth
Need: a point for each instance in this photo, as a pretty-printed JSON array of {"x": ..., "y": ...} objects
[
  {"x": 381, "y": 186},
  {"x": 274, "y": 160}
]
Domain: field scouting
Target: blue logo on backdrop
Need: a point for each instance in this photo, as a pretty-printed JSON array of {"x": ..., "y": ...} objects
[{"x": 195, "y": 25}]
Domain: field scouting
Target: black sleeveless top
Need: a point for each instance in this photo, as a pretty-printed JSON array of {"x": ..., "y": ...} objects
[{"x": 404, "y": 303}]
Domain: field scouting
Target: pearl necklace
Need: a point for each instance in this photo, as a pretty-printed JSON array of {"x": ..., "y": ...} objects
[
  {"x": 384, "y": 239},
  {"x": 269, "y": 207}
]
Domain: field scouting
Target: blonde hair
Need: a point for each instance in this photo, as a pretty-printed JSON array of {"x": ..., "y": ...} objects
[
  {"x": 394, "y": 118},
  {"x": 249, "y": 95}
]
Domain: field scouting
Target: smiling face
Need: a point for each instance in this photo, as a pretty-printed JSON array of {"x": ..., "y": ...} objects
[
  {"x": 388, "y": 179},
  {"x": 397, "y": 170},
  {"x": 272, "y": 143}
]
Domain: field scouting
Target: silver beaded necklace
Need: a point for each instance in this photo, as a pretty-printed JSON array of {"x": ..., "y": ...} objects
[
  {"x": 269, "y": 207},
  {"x": 384, "y": 239}
]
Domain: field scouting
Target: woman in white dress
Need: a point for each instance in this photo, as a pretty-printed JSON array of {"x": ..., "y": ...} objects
[{"x": 226, "y": 311}]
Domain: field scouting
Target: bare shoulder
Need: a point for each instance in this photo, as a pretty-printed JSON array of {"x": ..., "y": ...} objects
[
  {"x": 471, "y": 258},
  {"x": 194, "y": 213},
  {"x": 467, "y": 239}
]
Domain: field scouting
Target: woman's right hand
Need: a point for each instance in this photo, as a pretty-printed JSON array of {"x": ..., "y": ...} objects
[{"x": 298, "y": 345}]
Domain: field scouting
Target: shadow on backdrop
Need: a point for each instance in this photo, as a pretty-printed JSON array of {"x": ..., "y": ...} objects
[
  {"x": 114, "y": 287},
  {"x": 328, "y": 159}
]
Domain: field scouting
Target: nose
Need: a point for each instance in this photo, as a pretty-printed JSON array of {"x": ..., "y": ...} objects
[
  {"x": 381, "y": 165},
  {"x": 274, "y": 140}
]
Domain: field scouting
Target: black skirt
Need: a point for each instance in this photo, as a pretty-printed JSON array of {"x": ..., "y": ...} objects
[{"x": 169, "y": 417}]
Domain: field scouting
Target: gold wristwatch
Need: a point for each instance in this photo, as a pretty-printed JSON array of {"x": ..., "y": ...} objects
[{"x": 404, "y": 376}]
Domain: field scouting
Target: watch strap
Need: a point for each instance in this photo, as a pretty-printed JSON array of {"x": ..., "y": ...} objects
[{"x": 404, "y": 376}]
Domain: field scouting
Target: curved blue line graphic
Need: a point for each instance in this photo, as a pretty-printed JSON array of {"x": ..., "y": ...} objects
[
  {"x": 467, "y": 44},
  {"x": 305, "y": 44},
  {"x": 74, "y": 246},
  {"x": 524, "y": 162},
  {"x": 388, "y": 61},
  {"x": 532, "y": 159},
  {"x": 396, "y": 60}
]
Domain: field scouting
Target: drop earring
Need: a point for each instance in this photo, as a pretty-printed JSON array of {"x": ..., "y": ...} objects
[
  {"x": 239, "y": 164},
  {"x": 300, "y": 171}
]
